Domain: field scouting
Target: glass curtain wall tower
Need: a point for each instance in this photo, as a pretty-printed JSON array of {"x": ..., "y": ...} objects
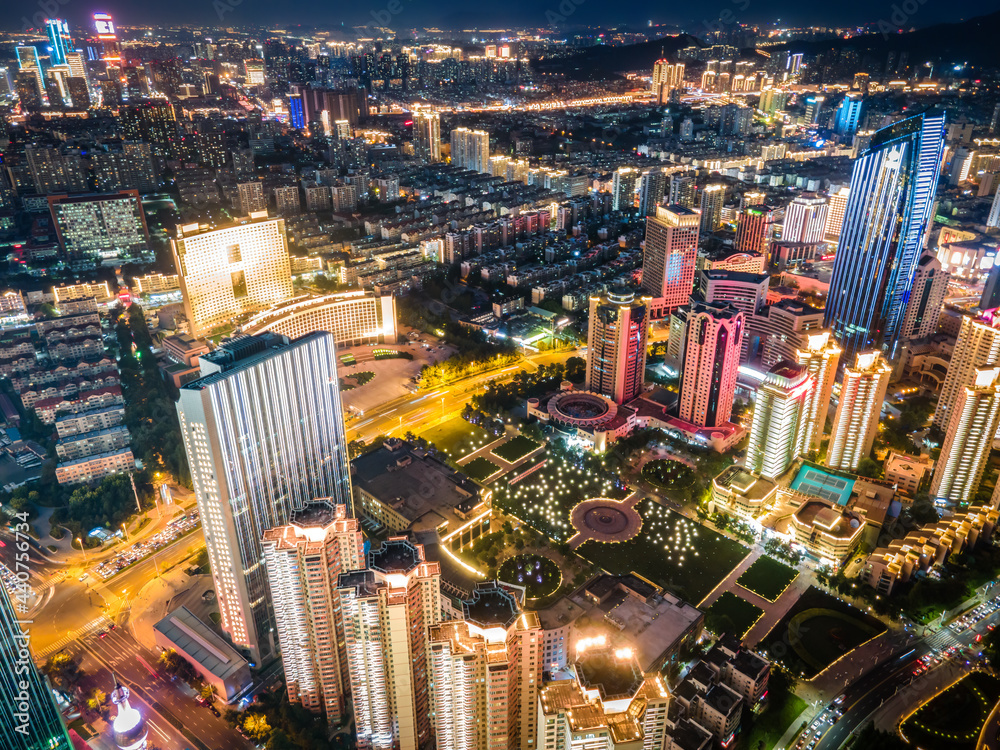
[{"x": 891, "y": 196}]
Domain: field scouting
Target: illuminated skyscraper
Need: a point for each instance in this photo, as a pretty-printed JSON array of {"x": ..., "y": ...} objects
[
  {"x": 754, "y": 230},
  {"x": 666, "y": 78},
  {"x": 923, "y": 311},
  {"x": 858, "y": 410},
  {"x": 28, "y": 62},
  {"x": 388, "y": 610},
  {"x": 104, "y": 25},
  {"x": 712, "y": 198},
  {"x": 670, "y": 255},
  {"x": 848, "y": 114},
  {"x": 29, "y": 719},
  {"x": 892, "y": 192},
  {"x": 993, "y": 220},
  {"x": 427, "y": 136},
  {"x": 977, "y": 345},
  {"x": 59, "y": 40},
  {"x": 968, "y": 440},
  {"x": 233, "y": 270},
  {"x": 705, "y": 340},
  {"x": 778, "y": 416},
  {"x": 652, "y": 187},
  {"x": 470, "y": 149},
  {"x": 683, "y": 190},
  {"x": 820, "y": 357},
  {"x": 616, "y": 357},
  {"x": 805, "y": 219},
  {"x": 304, "y": 559},
  {"x": 486, "y": 670},
  {"x": 835, "y": 216},
  {"x": 264, "y": 435},
  {"x": 623, "y": 188}
]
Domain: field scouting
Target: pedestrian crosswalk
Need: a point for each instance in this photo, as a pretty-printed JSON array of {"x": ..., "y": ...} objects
[{"x": 97, "y": 623}]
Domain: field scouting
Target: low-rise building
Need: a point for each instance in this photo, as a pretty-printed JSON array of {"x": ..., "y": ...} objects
[
  {"x": 213, "y": 658},
  {"x": 907, "y": 472},
  {"x": 94, "y": 467}
]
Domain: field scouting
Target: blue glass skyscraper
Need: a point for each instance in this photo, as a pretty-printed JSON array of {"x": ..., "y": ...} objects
[
  {"x": 892, "y": 194},
  {"x": 29, "y": 719},
  {"x": 59, "y": 37}
]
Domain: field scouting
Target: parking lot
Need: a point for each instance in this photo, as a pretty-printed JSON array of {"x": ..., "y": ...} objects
[{"x": 177, "y": 527}]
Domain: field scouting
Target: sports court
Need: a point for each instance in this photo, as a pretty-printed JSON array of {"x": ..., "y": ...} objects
[{"x": 813, "y": 481}]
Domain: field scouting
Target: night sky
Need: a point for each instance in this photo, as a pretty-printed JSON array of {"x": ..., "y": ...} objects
[{"x": 463, "y": 14}]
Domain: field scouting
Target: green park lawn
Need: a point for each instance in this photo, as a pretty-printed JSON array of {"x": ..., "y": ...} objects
[
  {"x": 672, "y": 551},
  {"x": 515, "y": 449},
  {"x": 480, "y": 469},
  {"x": 731, "y": 614},
  {"x": 817, "y": 631},
  {"x": 953, "y": 719},
  {"x": 457, "y": 437},
  {"x": 767, "y": 578}
]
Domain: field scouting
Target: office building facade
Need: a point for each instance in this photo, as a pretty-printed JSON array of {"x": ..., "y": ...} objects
[
  {"x": 232, "y": 270},
  {"x": 109, "y": 228},
  {"x": 923, "y": 310},
  {"x": 264, "y": 435},
  {"x": 708, "y": 338},
  {"x": 669, "y": 257},
  {"x": 805, "y": 219},
  {"x": 616, "y": 360},
  {"x": 891, "y": 196}
]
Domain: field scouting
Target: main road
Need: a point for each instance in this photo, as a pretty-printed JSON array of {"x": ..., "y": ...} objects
[
  {"x": 414, "y": 412},
  {"x": 864, "y": 696}
]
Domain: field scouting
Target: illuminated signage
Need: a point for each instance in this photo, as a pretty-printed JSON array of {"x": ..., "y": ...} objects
[{"x": 105, "y": 26}]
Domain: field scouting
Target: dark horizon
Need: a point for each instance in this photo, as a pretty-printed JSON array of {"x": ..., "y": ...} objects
[{"x": 450, "y": 15}]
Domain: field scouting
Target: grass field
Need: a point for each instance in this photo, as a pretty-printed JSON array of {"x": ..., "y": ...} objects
[
  {"x": 767, "y": 578},
  {"x": 538, "y": 574},
  {"x": 731, "y": 614},
  {"x": 818, "y": 630},
  {"x": 515, "y": 449},
  {"x": 544, "y": 499},
  {"x": 953, "y": 719},
  {"x": 782, "y": 708},
  {"x": 456, "y": 437},
  {"x": 480, "y": 469},
  {"x": 673, "y": 551},
  {"x": 668, "y": 474}
]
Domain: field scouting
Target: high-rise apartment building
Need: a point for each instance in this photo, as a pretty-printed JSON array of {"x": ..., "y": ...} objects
[
  {"x": 669, "y": 257},
  {"x": 773, "y": 100},
  {"x": 993, "y": 220},
  {"x": 616, "y": 340},
  {"x": 54, "y": 171},
  {"x": 968, "y": 440},
  {"x": 835, "y": 216},
  {"x": 819, "y": 356},
  {"x": 705, "y": 341},
  {"x": 683, "y": 191},
  {"x": 862, "y": 392},
  {"x": 990, "y": 300},
  {"x": 652, "y": 188},
  {"x": 485, "y": 673},
  {"x": 666, "y": 78},
  {"x": 251, "y": 197},
  {"x": 754, "y": 230},
  {"x": 849, "y": 114},
  {"x": 388, "y": 610},
  {"x": 109, "y": 228},
  {"x": 30, "y": 719},
  {"x": 28, "y": 63},
  {"x": 778, "y": 414},
  {"x": 470, "y": 149},
  {"x": 264, "y": 435},
  {"x": 304, "y": 559},
  {"x": 892, "y": 192},
  {"x": 623, "y": 188},
  {"x": 977, "y": 345},
  {"x": 712, "y": 199},
  {"x": 805, "y": 219},
  {"x": 923, "y": 310},
  {"x": 427, "y": 136},
  {"x": 232, "y": 270}
]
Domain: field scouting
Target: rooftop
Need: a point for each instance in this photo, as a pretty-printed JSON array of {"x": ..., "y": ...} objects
[
  {"x": 396, "y": 555},
  {"x": 491, "y": 605},
  {"x": 201, "y": 643},
  {"x": 614, "y": 677}
]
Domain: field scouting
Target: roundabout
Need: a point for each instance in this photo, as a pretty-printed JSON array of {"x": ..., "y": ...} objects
[{"x": 601, "y": 519}]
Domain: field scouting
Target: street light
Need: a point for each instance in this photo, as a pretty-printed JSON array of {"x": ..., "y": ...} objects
[
  {"x": 126, "y": 532},
  {"x": 83, "y": 550}
]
